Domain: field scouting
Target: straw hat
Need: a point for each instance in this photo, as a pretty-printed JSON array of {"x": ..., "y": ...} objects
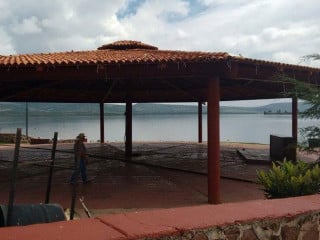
[{"x": 81, "y": 136}]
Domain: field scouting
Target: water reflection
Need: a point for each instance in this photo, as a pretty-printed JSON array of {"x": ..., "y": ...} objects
[{"x": 182, "y": 127}]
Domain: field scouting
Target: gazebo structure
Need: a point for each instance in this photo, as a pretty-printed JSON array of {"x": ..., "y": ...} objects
[{"x": 131, "y": 71}]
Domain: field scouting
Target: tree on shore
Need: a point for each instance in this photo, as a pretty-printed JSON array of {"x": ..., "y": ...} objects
[
  {"x": 314, "y": 57},
  {"x": 310, "y": 93},
  {"x": 289, "y": 179}
]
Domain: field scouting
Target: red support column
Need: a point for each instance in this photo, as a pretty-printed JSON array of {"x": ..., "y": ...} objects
[
  {"x": 200, "y": 122},
  {"x": 128, "y": 129},
  {"x": 102, "y": 122},
  {"x": 213, "y": 141}
]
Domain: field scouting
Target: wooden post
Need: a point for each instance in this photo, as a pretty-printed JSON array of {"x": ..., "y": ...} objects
[
  {"x": 101, "y": 122},
  {"x": 213, "y": 141},
  {"x": 14, "y": 176},
  {"x": 53, "y": 156},
  {"x": 199, "y": 122},
  {"x": 74, "y": 188},
  {"x": 128, "y": 129}
]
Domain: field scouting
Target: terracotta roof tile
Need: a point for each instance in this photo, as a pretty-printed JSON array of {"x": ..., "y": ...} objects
[
  {"x": 127, "y": 44},
  {"x": 109, "y": 57},
  {"x": 126, "y": 52},
  {"x": 258, "y": 62}
]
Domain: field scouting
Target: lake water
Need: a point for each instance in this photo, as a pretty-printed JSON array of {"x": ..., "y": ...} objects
[{"x": 254, "y": 128}]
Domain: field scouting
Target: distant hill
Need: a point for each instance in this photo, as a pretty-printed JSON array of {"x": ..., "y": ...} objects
[
  {"x": 283, "y": 107},
  {"x": 139, "y": 108},
  {"x": 59, "y": 108},
  {"x": 154, "y": 108},
  {"x": 239, "y": 110}
]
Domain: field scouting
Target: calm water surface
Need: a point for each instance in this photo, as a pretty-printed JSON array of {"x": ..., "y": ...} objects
[{"x": 234, "y": 127}]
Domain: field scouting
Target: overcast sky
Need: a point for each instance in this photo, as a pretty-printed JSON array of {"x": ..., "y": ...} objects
[{"x": 276, "y": 30}]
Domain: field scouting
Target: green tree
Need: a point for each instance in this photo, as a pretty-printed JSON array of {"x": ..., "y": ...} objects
[
  {"x": 290, "y": 179},
  {"x": 310, "y": 94},
  {"x": 315, "y": 57}
]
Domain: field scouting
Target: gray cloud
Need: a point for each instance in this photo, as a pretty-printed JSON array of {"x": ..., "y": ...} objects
[{"x": 280, "y": 30}]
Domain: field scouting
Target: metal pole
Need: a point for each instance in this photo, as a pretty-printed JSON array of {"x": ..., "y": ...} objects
[
  {"x": 53, "y": 154},
  {"x": 128, "y": 129},
  {"x": 295, "y": 123},
  {"x": 213, "y": 141},
  {"x": 102, "y": 122},
  {"x": 200, "y": 122},
  {"x": 295, "y": 119},
  {"x": 14, "y": 176}
]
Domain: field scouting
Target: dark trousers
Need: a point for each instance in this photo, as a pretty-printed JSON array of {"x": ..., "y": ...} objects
[{"x": 81, "y": 168}]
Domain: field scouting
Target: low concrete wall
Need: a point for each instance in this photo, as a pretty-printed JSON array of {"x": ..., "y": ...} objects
[
  {"x": 279, "y": 219},
  {"x": 11, "y": 138},
  {"x": 304, "y": 227}
]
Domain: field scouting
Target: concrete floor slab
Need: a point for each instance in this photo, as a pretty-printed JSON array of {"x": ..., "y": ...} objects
[{"x": 160, "y": 175}]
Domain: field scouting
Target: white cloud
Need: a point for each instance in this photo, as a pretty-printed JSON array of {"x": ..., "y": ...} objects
[
  {"x": 154, "y": 20},
  {"x": 287, "y": 57},
  {"x": 6, "y": 48},
  {"x": 266, "y": 29},
  {"x": 114, "y": 28},
  {"x": 27, "y": 26},
  {"x": 257, "y": 29}
]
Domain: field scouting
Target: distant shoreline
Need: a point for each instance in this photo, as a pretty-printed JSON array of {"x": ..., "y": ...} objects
[
  {"x": 89, "y": 109},
  {"x": 117, "y": 114},
  {"x": 286, "y": 113}
]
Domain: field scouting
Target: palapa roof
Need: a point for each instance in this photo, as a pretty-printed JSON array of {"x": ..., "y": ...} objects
[
  {"x": 120, "y": 52},
  {"x": 128, "y": 52},
  {"x": 109, "y": 56},
  {"x": 135, "y": 71}
]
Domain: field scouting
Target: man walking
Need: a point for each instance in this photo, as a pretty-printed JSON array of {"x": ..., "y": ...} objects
[{"x": 81, "y": 160}]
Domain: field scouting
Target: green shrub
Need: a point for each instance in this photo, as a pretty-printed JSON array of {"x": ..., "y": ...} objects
[{"x": 288, "y": 179}]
